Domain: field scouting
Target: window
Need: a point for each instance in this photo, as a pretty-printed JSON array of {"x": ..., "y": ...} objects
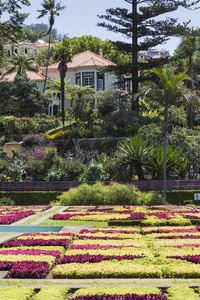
[
  {"x": 100, "y": 81},
  {"x": 78, "y": 79},
  {"x": 16, "y": 50},
  {"x": 88, "y": 78},
  {"x": 25, "y": 51}
]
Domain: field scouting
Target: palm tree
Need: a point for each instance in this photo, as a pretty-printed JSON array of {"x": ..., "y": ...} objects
[
  {"x": 53, "y": 8},
  {"x": 63, "y": 55},
  {"x": 136, "y": 153},
  {"x": 21, "y": 63},
  {"x": 167, "y": 89}
]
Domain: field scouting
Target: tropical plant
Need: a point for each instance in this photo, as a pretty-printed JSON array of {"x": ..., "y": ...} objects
[
  {"x": 53, "y": 8},
  {"x": 136, "y": 153},
  {"x": 94, "y": 172},
  {"x": 166, "y": 89},
  {"x": 174, "y": 159},
  {"x": 20, "y": 63}
]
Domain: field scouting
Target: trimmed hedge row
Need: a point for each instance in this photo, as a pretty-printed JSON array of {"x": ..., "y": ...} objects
[
  {"x": 180, "y": 197},
  {"x": 46, "y": 197},
  {"x": 31, "y": 198}
]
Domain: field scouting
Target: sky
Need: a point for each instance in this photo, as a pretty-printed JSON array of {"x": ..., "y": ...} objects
[{"x": 80, "y": 18}]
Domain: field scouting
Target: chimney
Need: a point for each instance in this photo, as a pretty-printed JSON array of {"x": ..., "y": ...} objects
[{"x": 101, "y": 52}]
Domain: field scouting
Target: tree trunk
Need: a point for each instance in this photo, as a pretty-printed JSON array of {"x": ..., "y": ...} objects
[
  {"x": 139, "y": 172},
  {"x": 45, "y": 80}
]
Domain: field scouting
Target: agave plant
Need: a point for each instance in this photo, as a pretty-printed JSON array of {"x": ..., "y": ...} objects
[
  {"x": 174, "y": 161},
  {"x": 136, "y": 153}
]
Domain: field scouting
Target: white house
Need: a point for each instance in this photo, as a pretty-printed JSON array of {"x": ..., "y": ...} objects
[
  {"x": 84, "y": 69},
  {"x": 25, "y": 47}
]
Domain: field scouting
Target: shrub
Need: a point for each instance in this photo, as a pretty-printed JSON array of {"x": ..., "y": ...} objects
[
  {"x": 94, "y": 172},
  {"x": 74, "y": 168},
  {"x": 35, "y": 168},
  {"x": 32, "y": 140},
  {"x": 117, "y": 172},
  {"x": 58, "y": 174},
  {"x": 6, "y": 201},
  {"x": 113, "y": 194}
]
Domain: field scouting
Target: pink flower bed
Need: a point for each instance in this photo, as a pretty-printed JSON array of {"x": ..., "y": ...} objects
[
  {"x": 28, "y": 269},
  {"x": 37, "y": 242},
  {"x": 14, "y": 216}
]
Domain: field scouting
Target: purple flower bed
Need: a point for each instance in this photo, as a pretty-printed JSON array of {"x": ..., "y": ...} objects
[
  {"x": 82, "y": 258},
  {"x": 192, "y": 258},
  {"x": 37, "y": 242},
  {"x": 28, "y": 269},
  {"x": 185, "y": 245},
  {"x": 6, "y": 265},
  {"x": 160, "y": 296}
]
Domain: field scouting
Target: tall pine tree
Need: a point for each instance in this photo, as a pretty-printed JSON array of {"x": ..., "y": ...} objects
[{"x": 139, "y": 24}]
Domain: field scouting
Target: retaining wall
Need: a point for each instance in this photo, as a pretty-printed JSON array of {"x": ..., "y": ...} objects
[{"x": 146, "y": 185}]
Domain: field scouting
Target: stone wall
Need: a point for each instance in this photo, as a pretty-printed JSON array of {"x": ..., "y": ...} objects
[{"x": 146, "y": 185}]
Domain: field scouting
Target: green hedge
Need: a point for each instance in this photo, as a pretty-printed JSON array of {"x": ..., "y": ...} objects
[
  {"x": 181, "y": 197},
  {"x": 31, "y": 198}
]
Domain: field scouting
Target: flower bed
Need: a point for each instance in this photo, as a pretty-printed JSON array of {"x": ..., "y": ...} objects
[
  {"x": 28, "y": 269},
  {"x": 8, "y": 217}
]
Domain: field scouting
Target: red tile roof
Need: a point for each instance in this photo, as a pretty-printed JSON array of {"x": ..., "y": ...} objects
[
  {"x": 31, "y": 75},
  {"x": 86, "y": 59}
]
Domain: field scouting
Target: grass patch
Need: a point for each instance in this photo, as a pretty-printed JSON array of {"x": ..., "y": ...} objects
[
  {"x": 73, "y": 223},
  {"x": 96, "y": 283},
  {"x": 40, "y": 215}
]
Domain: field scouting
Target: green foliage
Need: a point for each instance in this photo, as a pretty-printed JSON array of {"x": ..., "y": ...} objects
[
  {"x": 136, "y": 153},
  {"x": 57, "y": 174},
  {"x": 4, "y": 201},
  {"x": 174, "y": 159},
  {"x": 94, "y": 172},
  {"x": 181, "y": 292},
  {"x": 23, "y": 98},
  {"x": 74, "y": 168},
  {"x": 19, "y": 293},
  {"x": 124, "y": 123},
  {"x": 179, "y": 197},
  {"x": 35, "y": 168},
  {"x": 139, "y": 290},
  {"x": 52, "y": 293},
  {"x": 113, "y": 194},
  {"x": 31, "y": 197},
  {"x": 117, "y": 172},
  {"x": 107, "y": 102}
]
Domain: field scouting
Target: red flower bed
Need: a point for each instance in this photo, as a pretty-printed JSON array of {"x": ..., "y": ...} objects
[
  {"x": 82, "y": 258},
  {"x": 37, "y": 242},
  {"x": 160, "y": 296},
  {"x": 28, "y": 269}
]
